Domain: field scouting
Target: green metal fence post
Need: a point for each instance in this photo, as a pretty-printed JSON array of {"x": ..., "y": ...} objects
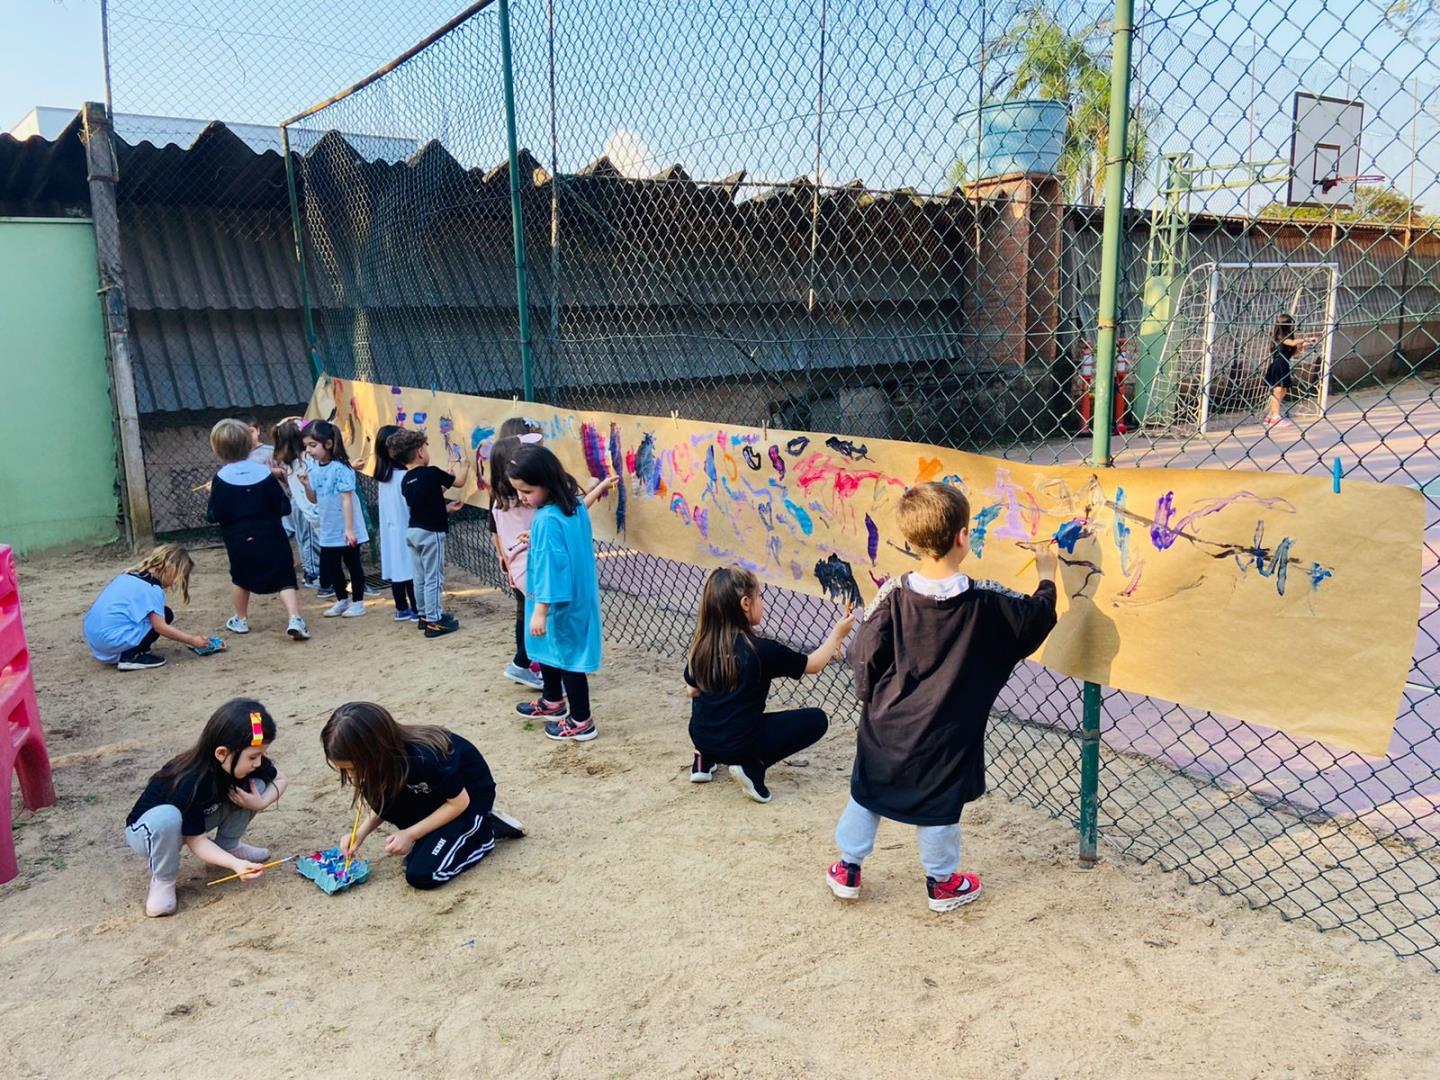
[
  {"x": 310, "y": 339},
  {"x": 1115, "y": 169},
  {"x": 522, "y": 291}
]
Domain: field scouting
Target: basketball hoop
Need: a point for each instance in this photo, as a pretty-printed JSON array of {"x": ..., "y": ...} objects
[{"x": 1332, "y": 182}]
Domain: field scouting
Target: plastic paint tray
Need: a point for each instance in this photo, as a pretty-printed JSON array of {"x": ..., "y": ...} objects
[{"x": 327, "y": 870}]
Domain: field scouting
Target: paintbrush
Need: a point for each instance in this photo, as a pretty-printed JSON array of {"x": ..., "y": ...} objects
[
  {"x": 265, "y": 866},
  {"x": 350, "y": 849}
]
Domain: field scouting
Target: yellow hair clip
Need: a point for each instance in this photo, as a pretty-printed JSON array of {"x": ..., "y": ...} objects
[{"x": 257, "y": 730}]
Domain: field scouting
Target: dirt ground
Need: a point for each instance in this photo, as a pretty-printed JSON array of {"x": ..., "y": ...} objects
[{"x": 645, "y": 927}]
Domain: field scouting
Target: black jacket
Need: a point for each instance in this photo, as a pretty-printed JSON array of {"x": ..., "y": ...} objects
[{"x": 927, "y": 673}]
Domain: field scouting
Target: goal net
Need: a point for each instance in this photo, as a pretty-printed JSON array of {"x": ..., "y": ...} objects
[{"x": 1220, "y": 341}]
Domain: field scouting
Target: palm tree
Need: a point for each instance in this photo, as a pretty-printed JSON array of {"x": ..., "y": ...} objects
[{"x": 1058, "y": 63}]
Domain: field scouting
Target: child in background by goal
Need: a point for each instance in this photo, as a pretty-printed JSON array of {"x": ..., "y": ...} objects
[
  {"x": 933, "y": 653},
  {"x": 1284, "y": 347}
]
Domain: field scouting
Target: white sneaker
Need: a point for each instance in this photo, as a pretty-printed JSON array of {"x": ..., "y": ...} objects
[
  {"x": 297, "y": 629},
  {"x": 337, "y": 609},
  {"x": 250, "y": 853},
  {"x": 236, "y": 624},
  {"x": 160, "y": 901},
  {"x": 355, "y": 610}
]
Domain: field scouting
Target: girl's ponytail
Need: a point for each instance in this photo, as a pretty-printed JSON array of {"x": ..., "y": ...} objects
[{"x": 722, "y": 620}]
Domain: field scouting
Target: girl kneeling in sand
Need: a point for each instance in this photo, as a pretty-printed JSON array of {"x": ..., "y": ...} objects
[{"x": 431, "y": 784}]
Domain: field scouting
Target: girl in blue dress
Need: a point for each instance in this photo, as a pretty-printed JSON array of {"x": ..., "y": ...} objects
[{"x": 562, "y": 597}]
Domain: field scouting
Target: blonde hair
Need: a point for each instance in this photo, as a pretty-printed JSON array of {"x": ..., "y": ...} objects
[
  {"x": 930, "y": 516},
  {"x": 723, "y": 620},
  {"x": 232, "y": 440},
  {"x": 171, "y": 565}
]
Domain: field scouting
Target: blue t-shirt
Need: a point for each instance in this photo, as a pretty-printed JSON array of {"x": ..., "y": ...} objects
[
  {"x": 330, "y": 481},
  {"x": 119, "y": 618},
  {"x": 561, "y": 573}
]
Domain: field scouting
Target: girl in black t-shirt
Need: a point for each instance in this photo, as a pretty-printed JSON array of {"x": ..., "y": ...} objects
[
  {"x": 431, "y": 784},
  {"x": 220, "y": 783},
  {"x": 1284, "y": 346},
  {"x": 728, "y": 675}
]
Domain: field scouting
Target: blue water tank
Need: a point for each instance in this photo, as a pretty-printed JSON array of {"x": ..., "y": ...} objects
[{"x": 1024, "y": 136}]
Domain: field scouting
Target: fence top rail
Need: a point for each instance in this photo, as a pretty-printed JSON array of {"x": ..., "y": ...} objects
[{"x": 385, "y": 69}]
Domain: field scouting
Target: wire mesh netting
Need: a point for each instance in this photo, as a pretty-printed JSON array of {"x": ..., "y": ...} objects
[{"x": 884, "y": 220}]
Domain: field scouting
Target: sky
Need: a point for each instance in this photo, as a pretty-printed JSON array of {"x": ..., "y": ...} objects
[{"x": 721, "y": 86}]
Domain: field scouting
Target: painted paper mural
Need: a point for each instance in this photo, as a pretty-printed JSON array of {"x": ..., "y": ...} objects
[{"x": 1262, "y": 596}]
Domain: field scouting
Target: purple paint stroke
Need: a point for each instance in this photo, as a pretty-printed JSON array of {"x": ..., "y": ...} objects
[
  {"x": 872, "y": 532},
  {"x": 879, "y": 581},
  {"x": 679, "y": 506},
  {"x": 647, "y": 466},
  {"x": 701, "y": 517},
  {"x": 1163, "y": 534},
  {"x": 593, "y": 445},
  {"x": 777, "y": 461}
]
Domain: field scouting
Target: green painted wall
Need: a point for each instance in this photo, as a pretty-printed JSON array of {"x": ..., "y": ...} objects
[{"x": 57, "y": 440}]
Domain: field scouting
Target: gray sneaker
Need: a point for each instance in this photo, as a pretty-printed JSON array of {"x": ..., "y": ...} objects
[{"x": 297, "y": 629}]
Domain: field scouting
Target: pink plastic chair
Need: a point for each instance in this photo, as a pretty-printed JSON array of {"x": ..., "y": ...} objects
[{"x": 22, "y": 744}]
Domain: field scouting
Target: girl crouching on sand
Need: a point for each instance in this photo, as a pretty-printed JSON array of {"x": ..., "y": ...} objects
[{"x": 219, "y": 784}]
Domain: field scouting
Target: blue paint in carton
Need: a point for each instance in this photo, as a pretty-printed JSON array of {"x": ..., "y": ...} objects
[{"x": 327, "y": 870}]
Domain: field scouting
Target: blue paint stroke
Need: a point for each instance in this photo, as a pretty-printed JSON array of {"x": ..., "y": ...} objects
[
  {"x": 774, "y": 549},
  {"x": 478, "y": 435},
  {"x": 679, "y": 506},
  {"x": 802, "y": 518},
  {"x": 872, "y": 545},
  {"x": 1319, "y": 573},
  {"x": 981, "y": 525},
  {"x": 1122, "y": 533},
  {"x": 838, "y": 580},
  {"x": 766, "y": 512},
  {"x": 420, "y": 418},
  {"x": 710, "y": 474},
  {"x": 647, "y": 466},
  {"x": 701, "y": 517},
  {"x": 1069, "y": 534}
]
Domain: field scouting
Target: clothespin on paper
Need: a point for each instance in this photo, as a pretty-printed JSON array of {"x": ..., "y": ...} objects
[{"x": 675, "y": 418}]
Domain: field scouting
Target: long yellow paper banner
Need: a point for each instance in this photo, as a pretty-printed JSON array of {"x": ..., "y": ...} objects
[{"x": 1262, "y": 596}]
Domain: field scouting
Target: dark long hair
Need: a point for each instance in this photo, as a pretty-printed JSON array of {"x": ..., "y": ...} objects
[
  {"x": 384, "y": 463},
  {"x": 289, "y": 440},
  {"x": 228, "y": 726},
  {"x": 722, "y": 626},
  {"x": 1284, "y": 327},
  {"x": 328, "y": 436},
  {"x": 368, "y": 737},
  {"x": 538, "y": 467},
  {"x": 502, "y": 492}
]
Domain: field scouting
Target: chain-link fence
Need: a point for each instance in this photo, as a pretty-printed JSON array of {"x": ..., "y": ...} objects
[{"x": 883, "y": 219}]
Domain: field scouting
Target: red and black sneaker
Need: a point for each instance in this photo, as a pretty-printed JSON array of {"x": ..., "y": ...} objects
[
  {"x": 844, "y": 880},
  {"x": 540, "y": 709},
  {"x": 955, "y": 891},
  {"x": 568, "y": 729}
]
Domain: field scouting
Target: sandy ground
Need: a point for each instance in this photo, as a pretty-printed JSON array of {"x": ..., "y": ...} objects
[{"x": 646, "y": 927}]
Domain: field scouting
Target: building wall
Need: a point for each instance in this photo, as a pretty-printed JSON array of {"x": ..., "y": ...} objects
[{"x": 57, "y": 442}]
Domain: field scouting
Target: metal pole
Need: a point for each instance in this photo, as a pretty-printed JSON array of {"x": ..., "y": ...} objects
[
  {"x": 1116, "y": 155},
  {"x": 554, "y": 335},
  {"x": 522, "y": 293},
  {"x": 105, "y": 54},
  {"x": 310, "y": 340}
]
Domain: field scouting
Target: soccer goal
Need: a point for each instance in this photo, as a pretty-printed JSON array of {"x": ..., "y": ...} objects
[{"x": 1219, "y": 343}]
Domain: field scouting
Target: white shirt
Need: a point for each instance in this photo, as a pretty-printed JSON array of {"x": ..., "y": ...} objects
[{"x": 943, "y": 589}]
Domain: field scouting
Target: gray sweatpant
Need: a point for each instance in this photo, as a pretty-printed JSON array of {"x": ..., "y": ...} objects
[
  {"x": 939, "y": 844},
  {"x": 427, "y": 550},
  {"x": 156, "y": 833}
]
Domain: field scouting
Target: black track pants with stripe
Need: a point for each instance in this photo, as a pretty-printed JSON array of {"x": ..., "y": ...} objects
[{"x": 450, "y": 850}]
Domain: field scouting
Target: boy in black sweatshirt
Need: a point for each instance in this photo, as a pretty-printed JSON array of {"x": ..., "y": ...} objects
[{"x": 932, "y": 655}]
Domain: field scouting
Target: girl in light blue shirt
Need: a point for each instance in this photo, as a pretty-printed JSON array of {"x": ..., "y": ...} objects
[
  {"x": 562, "y": 596},
  {"x": 330, "y": 483}
]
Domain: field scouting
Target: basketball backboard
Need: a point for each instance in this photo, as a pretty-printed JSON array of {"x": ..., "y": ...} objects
[{"x": 1325, "y": 151}]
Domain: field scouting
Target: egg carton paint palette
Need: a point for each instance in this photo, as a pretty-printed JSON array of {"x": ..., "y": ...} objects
[{"x": 327, "y": 870}]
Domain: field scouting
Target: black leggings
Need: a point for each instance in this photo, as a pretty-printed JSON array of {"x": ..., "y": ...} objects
[
  {"x": 151, "y": 636},
  {"x": 334, "y": 561},
  {"x": 522, "y": 658},
  {"x": 404, "y": 593},
  {"x": 572, "y": 686},
  {"x": 780, "y": 735}
]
